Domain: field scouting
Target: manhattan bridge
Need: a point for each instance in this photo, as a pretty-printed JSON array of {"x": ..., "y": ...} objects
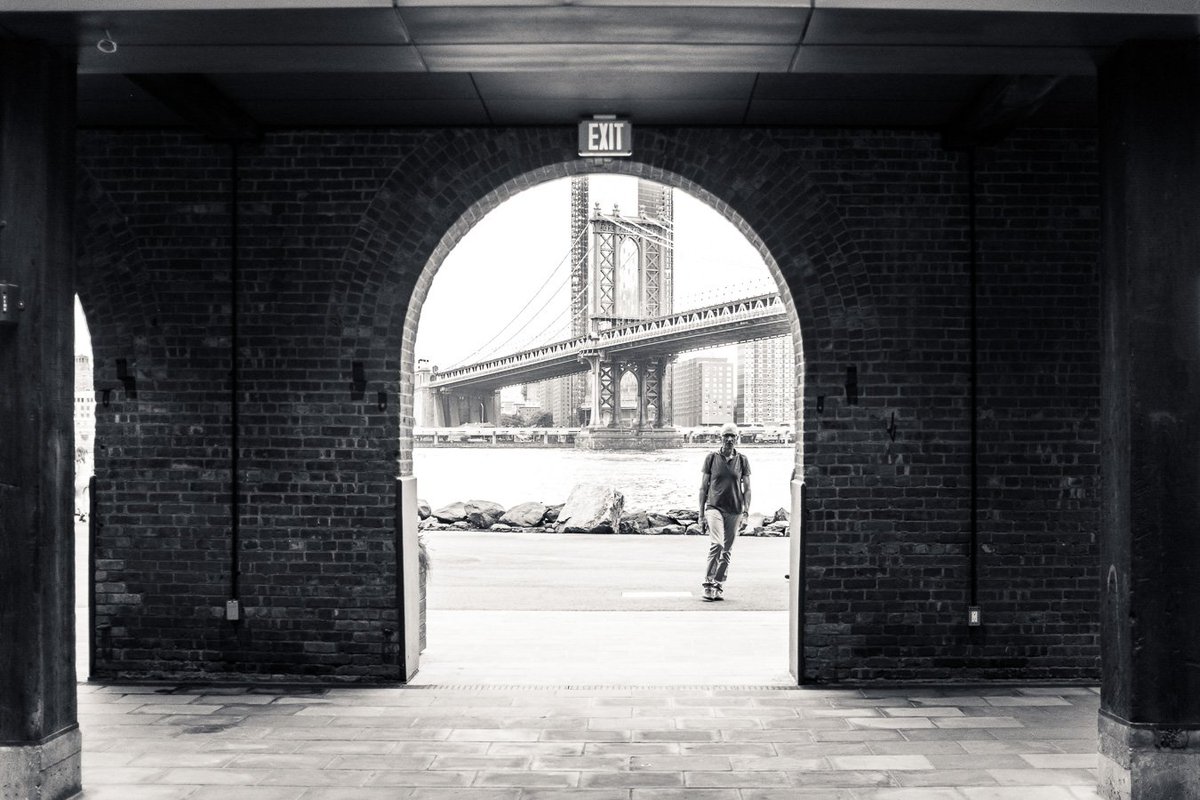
[{"x": 621, "y": 321}]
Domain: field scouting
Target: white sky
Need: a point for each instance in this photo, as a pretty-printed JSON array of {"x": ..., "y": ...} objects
[{"x": 518, "y": 254}]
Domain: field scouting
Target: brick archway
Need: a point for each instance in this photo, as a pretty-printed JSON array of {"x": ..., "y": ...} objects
[{"x": 399, "y": 247}]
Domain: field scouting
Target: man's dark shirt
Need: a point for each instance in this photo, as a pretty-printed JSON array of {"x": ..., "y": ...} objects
[{"x": 725, "y": 481}]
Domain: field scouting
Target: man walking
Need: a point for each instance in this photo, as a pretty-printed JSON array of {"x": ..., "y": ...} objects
[{"x": 724, "y": 503}]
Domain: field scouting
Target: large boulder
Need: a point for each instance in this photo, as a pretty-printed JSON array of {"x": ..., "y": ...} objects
[
  {"x": 552, "y": 514},
  {"x": 483, "y": 513},
  {"x": 423, "y": 511},
  {"x": 592, "y": 508},
  {"x": 525, "y": 515},
  {"x": 455, "y": 512},
  {"x": 684, "y": 515},
  {"x": 659, "y": 520},
  {"x": 781, "y": 515},
  {"x": 634, "y": 521}
]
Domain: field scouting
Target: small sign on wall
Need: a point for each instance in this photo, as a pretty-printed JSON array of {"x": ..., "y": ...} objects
[{"x": 605, "y": 136}]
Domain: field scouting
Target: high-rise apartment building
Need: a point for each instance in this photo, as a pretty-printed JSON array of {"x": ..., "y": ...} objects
[
  {"x": 766, "y": 390},
  {"x": 704, "y": 392}
]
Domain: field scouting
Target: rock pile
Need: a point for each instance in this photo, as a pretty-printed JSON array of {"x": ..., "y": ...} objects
[{"x": 590, "y": 508}]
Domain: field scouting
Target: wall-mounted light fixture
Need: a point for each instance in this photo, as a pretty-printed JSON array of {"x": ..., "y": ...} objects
[
  {"x": 127, "y": 378},
  {"x": 105, "y": 397},
  {"x": 382, "y": 401},
  {"x": 11, "y": 305},
  {"x": 820, "y": 404}
]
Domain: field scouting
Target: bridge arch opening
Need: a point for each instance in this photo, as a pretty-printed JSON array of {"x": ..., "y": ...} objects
[{"x": 630, "y": 271}]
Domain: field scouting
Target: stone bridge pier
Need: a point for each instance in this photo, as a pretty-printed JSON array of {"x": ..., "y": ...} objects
[
  {"x": 454, "y": 408},
  {"x": 650, "y": 425}
]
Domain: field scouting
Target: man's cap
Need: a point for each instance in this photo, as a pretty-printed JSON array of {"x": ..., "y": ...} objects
[{"x": 729, "y": 428}]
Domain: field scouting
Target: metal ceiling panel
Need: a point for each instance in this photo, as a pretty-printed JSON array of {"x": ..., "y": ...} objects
[
  {"x": 391, "y": 112},
  {"x": 874, "y": 59},
  {"x": 834, "y": 112},
  {"x": 566, "y": 111},
  {"x": 113, "y": 101},
  {"x": 250, "y": 59},
  {"x": 1015, "y": 28},
  {"x": 580, "y": 24},
  {"x": 617, "y": 57},
  {"x": 189, "y": 26},
  {"x": 616, "y": 86},
  {"x": 349, "y": 86},
  {"x": 883, "y": 86}
]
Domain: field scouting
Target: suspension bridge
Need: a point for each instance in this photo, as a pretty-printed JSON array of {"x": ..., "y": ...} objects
[{"x": 618, "y": 319}]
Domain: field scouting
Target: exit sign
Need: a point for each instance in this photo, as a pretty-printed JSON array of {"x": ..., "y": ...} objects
[{"x": 605, "y": 136}]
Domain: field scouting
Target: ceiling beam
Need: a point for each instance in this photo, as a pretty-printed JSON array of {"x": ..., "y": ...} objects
[
  {"x": 1003, "y": 105},
  {"x": 196, "y": 100}
]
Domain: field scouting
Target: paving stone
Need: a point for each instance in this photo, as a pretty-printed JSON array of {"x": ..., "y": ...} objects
[
  {"x": 923, "y": 711},
  {"x": 745, "y": 780},
  {"x": 250, "y": 793},
  {"x": 924, "y": 793},
  {"x": 1061, "y": 760},
  {"x": 1023, "y": 793},
  {"x": 680, "y": 763},
  {"x": 841, "y": 778},
  {"x": 903, "y": 762},
  {"x": 118, "y": 791},
  {"x": 536, "y": 749},
  {"x": 390, "y": 777},
  {"x": 630, "y": 780},
  {"x": 391, "y": 761},
  {"x": 685, "y": 794},
  {"x": 581, "y": 763},
  {"x": 527, "y": 779}
]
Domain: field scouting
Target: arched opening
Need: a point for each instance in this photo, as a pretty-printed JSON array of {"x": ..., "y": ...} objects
[
  {"x": 627, "y": 293},
  {"x": 85, "y": 459}
]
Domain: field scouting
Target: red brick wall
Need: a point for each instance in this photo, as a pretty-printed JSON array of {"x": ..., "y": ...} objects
[{"x": 340, "y": 235}]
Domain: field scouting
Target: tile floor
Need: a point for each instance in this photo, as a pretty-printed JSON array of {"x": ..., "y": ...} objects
[{"x": 444, "y": 742}]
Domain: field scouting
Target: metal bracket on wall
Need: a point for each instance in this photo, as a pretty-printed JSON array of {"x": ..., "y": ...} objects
[
  {"x": 358, "y": 381},
  {"x": 126, "y": 378},
  {"x": 11, "y": 304}
]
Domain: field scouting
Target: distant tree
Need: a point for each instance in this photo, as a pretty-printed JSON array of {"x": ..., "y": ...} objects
[
  {"x": 542, "y": 420},
  {"x": 511, "y": 421}
]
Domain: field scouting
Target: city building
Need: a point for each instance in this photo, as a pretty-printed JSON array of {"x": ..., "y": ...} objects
[
  {"x": 704, "y": 392},
  {"x": 765, "y": 391}
]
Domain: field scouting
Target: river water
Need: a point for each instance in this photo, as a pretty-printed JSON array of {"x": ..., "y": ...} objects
[{"x": 655, "y": 481}]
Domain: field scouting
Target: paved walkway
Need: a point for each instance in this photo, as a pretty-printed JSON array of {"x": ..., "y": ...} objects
[{"x": 589, "y": 743}]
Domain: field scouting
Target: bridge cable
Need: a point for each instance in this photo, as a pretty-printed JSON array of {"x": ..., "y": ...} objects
[{"x": 518, "y": 314}]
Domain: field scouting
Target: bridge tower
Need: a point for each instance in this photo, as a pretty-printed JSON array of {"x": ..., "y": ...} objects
[{"x": 630, "y": 279}]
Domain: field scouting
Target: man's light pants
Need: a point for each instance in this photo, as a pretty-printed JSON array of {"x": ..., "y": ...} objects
[{"x": 722, "y": 530}]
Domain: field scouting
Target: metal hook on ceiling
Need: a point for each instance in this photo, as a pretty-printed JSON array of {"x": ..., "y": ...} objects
[{"x": 107, "y": 45}]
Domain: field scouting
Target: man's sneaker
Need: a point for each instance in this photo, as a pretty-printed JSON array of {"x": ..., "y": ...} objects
[
  {"x": 717, "y": 593},
  {"x": 710, "y": 593}
]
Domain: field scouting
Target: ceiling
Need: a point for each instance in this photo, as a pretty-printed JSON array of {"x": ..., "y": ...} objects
[{"x": 228, "y": 66}]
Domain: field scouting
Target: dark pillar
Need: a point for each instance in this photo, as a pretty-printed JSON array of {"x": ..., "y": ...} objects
[
  {"x": 1150, "y": 624},
  {"x": 39, "y": 735}
]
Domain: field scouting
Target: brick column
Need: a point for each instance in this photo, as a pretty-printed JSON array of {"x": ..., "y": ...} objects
[
  {"x": 39, "y": 734},
  {"x": 1150, "y": 568}
]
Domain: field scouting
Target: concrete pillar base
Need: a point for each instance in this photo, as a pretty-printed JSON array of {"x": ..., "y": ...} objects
[
  {"x": 1148, "y": 762},
  {"x": 625, "y": 439},
  {"x": 50, "y": 770}
]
